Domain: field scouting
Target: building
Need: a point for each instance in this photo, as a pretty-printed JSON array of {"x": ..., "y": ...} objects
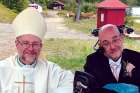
[
  {"x": 56, "y": 5},
  {"x": 111, "y": 12}
]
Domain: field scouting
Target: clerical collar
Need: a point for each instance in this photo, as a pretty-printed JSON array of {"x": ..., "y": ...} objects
[
  {"x": 118, "y": 62},
  {"x": 26, "y": 66}
]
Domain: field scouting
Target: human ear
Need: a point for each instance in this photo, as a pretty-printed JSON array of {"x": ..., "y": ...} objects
[{"x": 16, "y": 42}]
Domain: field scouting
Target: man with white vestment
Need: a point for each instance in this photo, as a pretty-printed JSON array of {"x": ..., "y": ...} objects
[{"x": 25, "y": 72}]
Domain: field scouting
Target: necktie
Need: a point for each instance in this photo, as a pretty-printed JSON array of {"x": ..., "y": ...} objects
[{"x": 114, "y": 68}]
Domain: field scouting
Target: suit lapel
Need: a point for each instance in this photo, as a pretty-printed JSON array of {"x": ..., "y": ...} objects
[
  {"x": 107, "y": 70},
  {"x": 123, "y": 75}
]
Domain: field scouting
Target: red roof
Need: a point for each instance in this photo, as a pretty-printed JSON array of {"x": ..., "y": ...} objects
[{"x": 112, "y": 4}]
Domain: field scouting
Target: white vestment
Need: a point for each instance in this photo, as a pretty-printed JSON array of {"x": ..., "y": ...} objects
[{"x": 45, "y": 77}]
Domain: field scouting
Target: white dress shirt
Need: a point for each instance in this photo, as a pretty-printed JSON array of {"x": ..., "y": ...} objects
[{"x": 115, "y": 67}]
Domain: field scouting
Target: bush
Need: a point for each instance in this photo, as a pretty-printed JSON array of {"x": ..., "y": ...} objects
[
  {"x": 70, "y": 5},
  {"x": 129, "y": 21},
  {"x": 6, "y": 15},
  {"x": 88, "y": 7},
  {"x": 17, "y": 5}
]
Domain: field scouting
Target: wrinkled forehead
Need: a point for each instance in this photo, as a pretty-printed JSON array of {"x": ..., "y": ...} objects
[{"x": 29, "y": 37}]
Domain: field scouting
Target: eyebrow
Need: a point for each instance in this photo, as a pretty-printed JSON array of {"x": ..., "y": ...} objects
[{"x": 114, "y": 37}]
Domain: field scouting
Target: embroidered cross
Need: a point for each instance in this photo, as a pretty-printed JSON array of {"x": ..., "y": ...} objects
[{"x": 23, "y": 83}]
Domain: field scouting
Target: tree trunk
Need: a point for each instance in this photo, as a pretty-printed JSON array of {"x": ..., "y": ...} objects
[{"x": 77, "y": 17}]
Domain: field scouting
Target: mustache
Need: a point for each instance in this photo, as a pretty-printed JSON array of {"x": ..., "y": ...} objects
[{"x": 30, "y": 52}]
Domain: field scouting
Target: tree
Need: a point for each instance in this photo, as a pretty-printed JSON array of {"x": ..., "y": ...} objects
[
  {"x": 124, "y": 1},
  {"x": 138, "y": 2},
  {"x": 92, "y": 1},
  {"x": 77, "y": 18},
  {"x": 22, "y": 4},
  {"x": 70, "y": 5},
  {"x": 17, "y": 5},
  {"x": 132, "y": 2}
]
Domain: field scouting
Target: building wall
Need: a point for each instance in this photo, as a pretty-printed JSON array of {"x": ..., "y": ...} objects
[
  {"x": 135, "y": 11},
  {"x": 110, "y": 16},
  {"x": 116, "y": 16}
]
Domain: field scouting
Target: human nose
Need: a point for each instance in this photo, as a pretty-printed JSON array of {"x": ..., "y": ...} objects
[
  {"x": 112, "y": 46},
  {"x": 30, "y": 47}
]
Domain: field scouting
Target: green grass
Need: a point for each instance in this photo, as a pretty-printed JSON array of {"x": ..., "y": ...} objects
[
  {"x": 133, "y": 24},
  {"x": 132, "y": 44},
  {"x": 6, "y": 15},
  {"x": 71, "y": 54},
  {"x": 136, "y": 27},
  {"x": 84, "y": 25}
]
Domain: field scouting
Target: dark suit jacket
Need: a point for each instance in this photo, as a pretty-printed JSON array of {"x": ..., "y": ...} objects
[{"x": 98, "y": 65}]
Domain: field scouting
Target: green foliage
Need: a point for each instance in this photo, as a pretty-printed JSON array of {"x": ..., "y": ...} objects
[
  {"x": 6, "y": 15},
  {"x": 124, "y": 1},
  {"x": 132, "y": 2},
  {"x": 136, "y": 25},
  {"x": 70, "y": 5},
  {"x": 138, "y": 2},
  {"x": 17, "y": 5},
  {"x": 92, "y": 1},
  {"x": 129, "y": 21},
  {"x": 88, "y": 7},
  {"x": 85, "y": 6},
  {"x": 22, "y": 5}
]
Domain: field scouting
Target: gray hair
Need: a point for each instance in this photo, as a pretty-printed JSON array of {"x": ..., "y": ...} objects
[{"x": 109, "y": 26}]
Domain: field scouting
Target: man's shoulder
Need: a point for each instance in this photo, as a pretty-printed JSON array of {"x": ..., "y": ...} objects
[
  {"x": 7, "y": 61},
  {"x": 46, "y": 62},
  {"x": 49, "y": 64},
  {"x": 130, "y": 51},
  {"x": 131, "y": 55},
  {"x": 54, "y": 68}
]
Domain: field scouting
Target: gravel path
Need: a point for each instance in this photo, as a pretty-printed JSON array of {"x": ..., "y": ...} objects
[
  {"x": 55, "y": 29},
  {"x": 6, "y": 41}
]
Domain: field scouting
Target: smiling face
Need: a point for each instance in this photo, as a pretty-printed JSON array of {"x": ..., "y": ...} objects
[
  {"x": 28, "y": 47},
  {"x": 112, "y": 42}
]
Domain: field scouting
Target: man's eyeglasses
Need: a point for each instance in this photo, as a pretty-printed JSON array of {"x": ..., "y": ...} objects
[
  {"x": 115, "y": 41},
  {"x": 26, "y": 44}
]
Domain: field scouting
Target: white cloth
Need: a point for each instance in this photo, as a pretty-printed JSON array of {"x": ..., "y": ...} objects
[
  {"x": 115, "y": 67},
  {"x": 45, "y": 77}
]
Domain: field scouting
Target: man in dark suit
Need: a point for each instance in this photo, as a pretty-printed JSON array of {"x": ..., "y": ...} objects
[{"x": 111, "y": 63}]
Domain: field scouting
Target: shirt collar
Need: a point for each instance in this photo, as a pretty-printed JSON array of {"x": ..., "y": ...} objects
[
  {"x": 23, "y": 65},
  {"x": 118, "y": 62}
]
